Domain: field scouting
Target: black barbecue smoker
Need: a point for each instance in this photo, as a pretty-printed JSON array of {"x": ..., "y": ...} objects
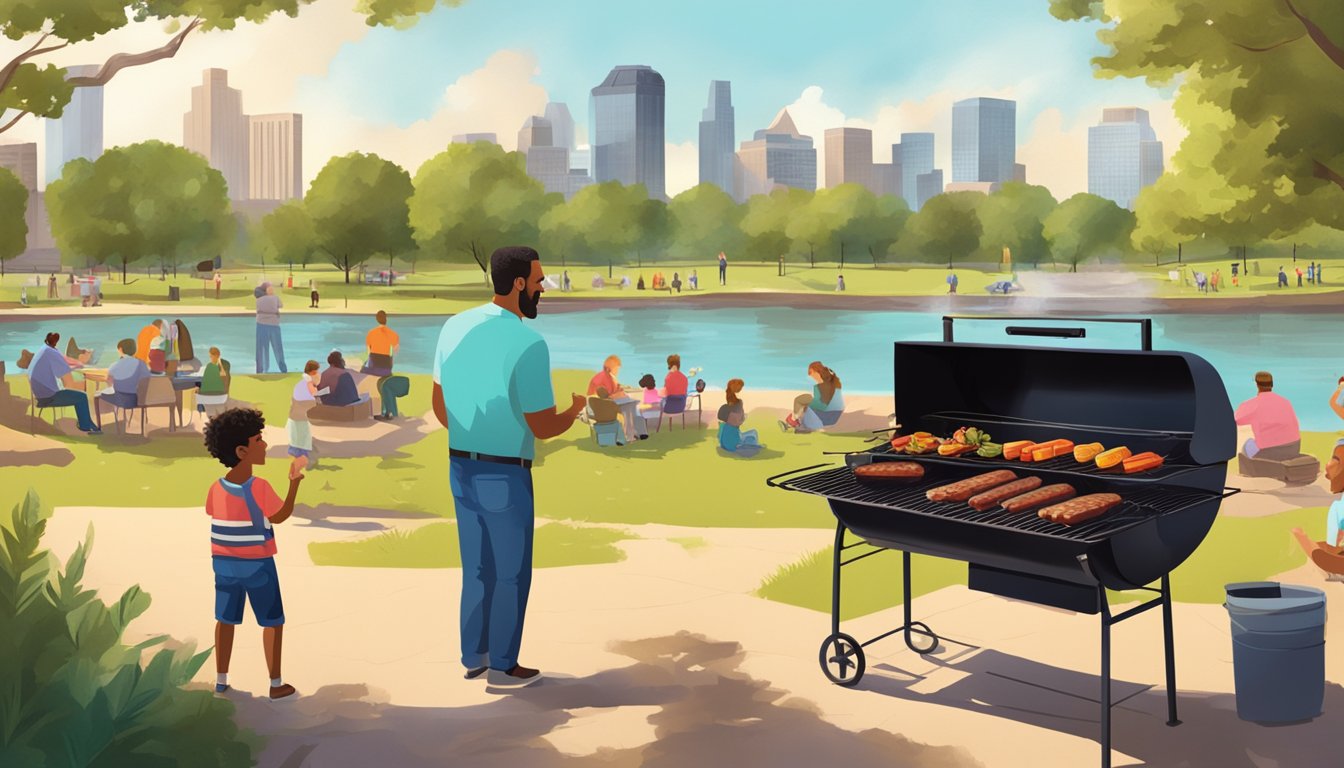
[{"x": 1171, "y": 403}]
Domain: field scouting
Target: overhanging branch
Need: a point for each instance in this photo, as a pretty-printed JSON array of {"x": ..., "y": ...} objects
[
  {"x": 120, "y": 61},
  {"x": 1334, "y": 52},
  {"x": 7, "y": 73},
  {"x": 1322, "y": 171},
  {"x": 1266, "y": 49}
]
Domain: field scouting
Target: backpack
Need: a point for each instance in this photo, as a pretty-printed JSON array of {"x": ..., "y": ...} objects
[{"x": 699, "y": 385}]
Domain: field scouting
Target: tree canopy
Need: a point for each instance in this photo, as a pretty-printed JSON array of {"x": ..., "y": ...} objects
[
  {"x": 30, "y": 87},
  {"x": 147, "y": 200},
  {"x": 948, "y": 226},
  {"x": 1014, "y": 218},
  {"x": 1257, "y": 84},
  {"x": 13, "y": 226},
  {"x": 288, "y": 235},
  {"x": 1086, "y": 225},
  {"x": 358, "y": 206}
]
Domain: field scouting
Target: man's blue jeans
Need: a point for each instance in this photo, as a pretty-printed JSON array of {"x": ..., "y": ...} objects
[
  {"x": 268, "y": 338},
  {"x": 494, "y": 531},
  {"x": 69, "y": 398}
]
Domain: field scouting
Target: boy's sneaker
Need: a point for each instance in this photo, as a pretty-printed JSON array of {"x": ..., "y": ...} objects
[
  {"x": 518, "y": 677},
  {"x": 282, "y": 692},
  {"x": 222, "y": 688},
  {"x": 472, "y": 674}
]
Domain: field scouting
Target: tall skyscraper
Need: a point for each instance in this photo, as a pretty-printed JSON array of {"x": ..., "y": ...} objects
[
  {"x": 778, "y": 156},
  {"x": 217, "y": 128},
  {"x": 1123, "y": 155},
  {"x": 849, "y": 156},
  {"x": 536, "y": 132},
  {"x": 915, "y": 154},
  {"x": 717, "y": 137},
  {"x": 21, "y": 160},
  {"x": 78, "y": 132},
  {"x": 472, "y": 138},
  {"x": 275, "y": 157},
  {"x": 547, "y": 162},
  {"x": 562, "y": 125},
  {"x": 628, "y": 129},
  {"x": 984, "y": 140},
  {"x": 928, "y": 185}
]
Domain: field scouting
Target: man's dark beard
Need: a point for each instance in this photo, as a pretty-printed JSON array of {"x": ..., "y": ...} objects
[{"x": 528, "y": 304}]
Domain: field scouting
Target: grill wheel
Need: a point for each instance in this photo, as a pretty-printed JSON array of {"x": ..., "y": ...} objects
[{"x": 842, "y": 659}]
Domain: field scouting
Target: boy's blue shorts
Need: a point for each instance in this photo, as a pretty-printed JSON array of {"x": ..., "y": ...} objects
[{"x": 238, "y": 579}]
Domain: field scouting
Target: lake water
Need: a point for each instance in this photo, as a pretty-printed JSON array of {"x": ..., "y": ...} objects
[{"x": 769, "y": 348}]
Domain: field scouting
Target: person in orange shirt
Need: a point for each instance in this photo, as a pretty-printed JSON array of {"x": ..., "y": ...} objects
[
  {"x": 144, "y": 341},
  {"x": 384, "y": 343}
]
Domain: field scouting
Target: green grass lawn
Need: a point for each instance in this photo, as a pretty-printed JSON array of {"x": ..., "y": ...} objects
[
  {"x": 676, "y": 477},
  {"x": 435, "y": 546},
  {"x": 1236, "y": 549}
]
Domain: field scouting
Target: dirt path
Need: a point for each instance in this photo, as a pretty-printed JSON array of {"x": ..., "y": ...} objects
[{"x": 668, "y": 659}]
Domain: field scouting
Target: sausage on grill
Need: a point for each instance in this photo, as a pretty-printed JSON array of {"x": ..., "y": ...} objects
[
  {"x": 991, "y": 498},
  {"x": 1081, "y": 509},
  {"x": 1050, "y": 494},
  {"x": 889, "y": 470},
  {"x": 965, "y": 489}
]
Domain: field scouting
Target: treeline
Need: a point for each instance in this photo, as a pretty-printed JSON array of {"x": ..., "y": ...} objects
[{"x": 159, "y": 204}]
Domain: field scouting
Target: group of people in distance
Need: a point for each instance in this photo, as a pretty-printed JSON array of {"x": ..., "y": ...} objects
[{"x": 609, "y": 401}]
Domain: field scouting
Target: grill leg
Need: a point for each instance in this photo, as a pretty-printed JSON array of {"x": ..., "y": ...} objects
[
  {"x": 1169, "y": 641},
  {"x": 912, "y": 627},
  {"x": 835, "y": 578},
  {"x": 1105, "y": 679}
]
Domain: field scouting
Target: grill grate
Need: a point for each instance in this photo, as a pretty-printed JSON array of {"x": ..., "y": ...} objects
[
  {"x": 1139, "y": 504},
  {"x": 1060, "y": 464}
]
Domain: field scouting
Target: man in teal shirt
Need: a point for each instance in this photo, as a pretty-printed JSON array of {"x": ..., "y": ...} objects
[{"x": 492, "y": 390}]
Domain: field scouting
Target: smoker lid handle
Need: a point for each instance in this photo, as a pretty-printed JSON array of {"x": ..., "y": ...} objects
[
  {"x": 1145, "y": 325},
  {"x": 770, "y": 481}
]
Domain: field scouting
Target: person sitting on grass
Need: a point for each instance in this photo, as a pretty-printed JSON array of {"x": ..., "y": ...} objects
[
  {"x": 732, "y": 438},
  {"x": 339, "y": 383},
  {"x": 214, "y": 392},
  {"x": 243, "y": 508},
  {"x": 1328, "y": 555},
  {"x": 826, "y": 398}
]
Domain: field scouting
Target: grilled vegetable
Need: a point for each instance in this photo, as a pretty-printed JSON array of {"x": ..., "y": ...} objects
[
  {"x": 989, "y": 450},
  {"x": 899, "y": 442},
  {"x": 954, "y": 449},
  {"x": 922, "y": 443},
  {"x": 1142, "y": 463},
  {"x": 1047, "y": 451},
  {"x": 1085, "y": 453},
  {"x": 1111, "y": 458},
  {"x": 1013, "y": 450}
]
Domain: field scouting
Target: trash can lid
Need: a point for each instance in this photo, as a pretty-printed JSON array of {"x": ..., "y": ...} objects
[{"x": 1272, "y": 597}]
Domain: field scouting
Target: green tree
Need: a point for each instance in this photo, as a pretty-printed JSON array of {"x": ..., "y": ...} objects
[
  {"x": 146, "y": 201},
  {"x": 1265, "y": 151},
  {"x": 766, "y": 219},
  {"x": 358, "y": 206},
  {"x": 704, "y": 221},
  {"x": 1014, "y": 218},
  {"x": 13, "y": 226},
  {"x": 42, "y": 27},
  {"x": 1086, "y": 225},
  {"x": 287, "y": 235},
  {"x": 653, "y": 224},
  {"x": 947, "y": 227},
  {"x": 473, "y": 198},
  {"x": 883, "y": 228},
  {"x": 606, "y": 222}
]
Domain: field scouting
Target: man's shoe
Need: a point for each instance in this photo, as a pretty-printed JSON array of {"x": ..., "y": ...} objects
[
  {"x": 518, "y": 677},
  {"x": 472, "y": 674},
  {"x": 381, "y": 417},
  {"x": 282, "y": 692}
]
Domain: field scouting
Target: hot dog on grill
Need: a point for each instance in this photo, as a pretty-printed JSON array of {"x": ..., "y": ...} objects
[
  {"x": 991, "y": 498},
  {"x": 1050, "y": 494},
  {"x": 965, "y": 489},
  {"x": 889, "y": 470},
  {"x": 1081, "y": 509}
]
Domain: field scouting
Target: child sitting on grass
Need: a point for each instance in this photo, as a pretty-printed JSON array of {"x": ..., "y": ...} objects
[
  {"x": 242, "y": 508},
  {"x": 731, "y": 436}
]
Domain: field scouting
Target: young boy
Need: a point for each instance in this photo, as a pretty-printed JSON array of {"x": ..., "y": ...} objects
[
  {"x": 1328, "y": 555},
  {"x": 243, "y": 508}
]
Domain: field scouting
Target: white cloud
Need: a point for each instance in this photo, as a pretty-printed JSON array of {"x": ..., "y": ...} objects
[
  {"x": 496, "y": 98},
  {"x": 682, "y": 166},
  {"x": 1055, "y": 149}
]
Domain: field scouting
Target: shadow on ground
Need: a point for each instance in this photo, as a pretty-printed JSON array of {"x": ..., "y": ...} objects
[
  {"x": 708, "y": 713},
  {"x": 1013, "y": 688}
]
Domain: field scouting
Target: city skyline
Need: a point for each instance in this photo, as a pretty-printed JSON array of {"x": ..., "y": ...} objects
[
  {"x": 1124, "y": 155},
  {"x": 476, "y": 71}
]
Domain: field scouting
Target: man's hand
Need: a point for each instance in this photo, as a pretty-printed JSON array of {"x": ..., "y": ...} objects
[{"x": 577, "y": 403}]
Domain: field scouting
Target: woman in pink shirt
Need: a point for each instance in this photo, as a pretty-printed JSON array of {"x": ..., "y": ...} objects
[{"x": 1274, "y": 429}]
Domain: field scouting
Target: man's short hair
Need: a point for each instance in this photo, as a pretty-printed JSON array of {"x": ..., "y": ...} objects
[
  {"x": 510, "y": 263},
  {"x": 1264, "y": 380},
  {"x": 127, "y": 347},
  {"x": 381, "y": 317},
  {"x": 673, "y": 361},
  {"x": 52, "y": 338},
  {"x": 335, "y": 357},
  {"x": 231, "y": 430}
]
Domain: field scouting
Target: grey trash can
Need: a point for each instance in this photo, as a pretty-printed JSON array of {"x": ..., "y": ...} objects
[
  {"x": 1278, "y": 650},
  {"x": 174, "y": 293}
]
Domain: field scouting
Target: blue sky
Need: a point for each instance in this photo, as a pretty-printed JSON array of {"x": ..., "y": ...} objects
[{"x": 864, "y": 54}]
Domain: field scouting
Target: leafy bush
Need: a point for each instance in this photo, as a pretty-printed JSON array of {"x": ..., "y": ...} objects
[{"x": 71, "y": 693}]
